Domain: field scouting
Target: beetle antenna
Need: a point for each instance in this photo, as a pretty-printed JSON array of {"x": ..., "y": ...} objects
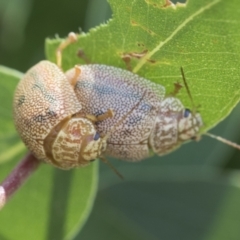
[
  {"x": 104, "y": 160},
  {"x": 223, "y": 140},
  {"x": 232, "y": 144},
  {"x": 188, "y": 90}
]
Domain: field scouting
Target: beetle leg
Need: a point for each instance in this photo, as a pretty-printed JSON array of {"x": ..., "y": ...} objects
[
  {"x": 72, "y": 37},
  {"x": 102, "y": 117},
  {"x": 104, "y": 160},
  {"x": 106, "y": 115},
  {"x": 74, "y": 80},
  {"x": 91, "y": 117}
]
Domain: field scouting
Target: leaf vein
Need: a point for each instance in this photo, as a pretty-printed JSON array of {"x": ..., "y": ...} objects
[{"x": 180, "y": 27}]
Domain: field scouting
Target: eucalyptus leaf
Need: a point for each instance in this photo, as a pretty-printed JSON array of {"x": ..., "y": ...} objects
[{"x": 201, "y": 36}]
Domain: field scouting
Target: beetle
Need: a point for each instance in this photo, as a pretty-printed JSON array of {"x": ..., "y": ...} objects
[
  {"x": 159, "y": 123},
  {"x": 48, "y": 118},
  {"x": 69, "y": 119}
]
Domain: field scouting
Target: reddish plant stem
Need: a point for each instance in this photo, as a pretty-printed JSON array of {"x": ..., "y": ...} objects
[{"x": 17, "y": 177}]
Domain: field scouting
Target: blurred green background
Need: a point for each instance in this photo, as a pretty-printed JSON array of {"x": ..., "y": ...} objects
[{"x": 192, "y": 193}]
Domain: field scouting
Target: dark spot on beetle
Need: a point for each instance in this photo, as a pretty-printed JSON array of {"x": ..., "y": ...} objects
[
  {"x": 42, "y": 118},
  {"x": 187, "y": 112},
  {"x": 51, "y": 113},
  {"x": 39, "y": 118},
  {"x": 194, "y": 138},
  {"x": 96, "y": 137},
  {"x": 47, "y": 96},
  {"x": 98, "y": 113},
  {"x": 21, "y": 100},
  {"x": 145, "y": 107}
]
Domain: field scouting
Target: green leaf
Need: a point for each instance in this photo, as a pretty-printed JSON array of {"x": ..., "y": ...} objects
[
  {"x": 201, "y": 36},
  {"x": 176, "y": 208},
  {"x": 10, "y": 144},
  {"x": 53, "y": 204},
  {"x": 226, "y": 224},
  {"x": 184, "y": 195}
]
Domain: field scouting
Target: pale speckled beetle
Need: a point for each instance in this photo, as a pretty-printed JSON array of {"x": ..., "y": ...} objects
[
  {"x": 158, "y": 123},
  {"x": 67, "y": 119},
  {"x": 48, "y": 116}
]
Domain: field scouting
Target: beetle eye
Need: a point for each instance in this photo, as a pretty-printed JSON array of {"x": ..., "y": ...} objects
[
  {"x": 187, "y": 112},
  {"x": 96, "y": 137}
]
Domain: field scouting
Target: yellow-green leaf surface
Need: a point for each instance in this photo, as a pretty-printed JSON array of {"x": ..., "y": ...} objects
[
  {"x": 202, "y": 36},
  {"x": 10, "y": 142},
  {"x": 53, "y": 204}
]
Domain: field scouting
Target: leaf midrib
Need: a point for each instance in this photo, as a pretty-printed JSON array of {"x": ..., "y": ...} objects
[{"x": 180, "y": 27}]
